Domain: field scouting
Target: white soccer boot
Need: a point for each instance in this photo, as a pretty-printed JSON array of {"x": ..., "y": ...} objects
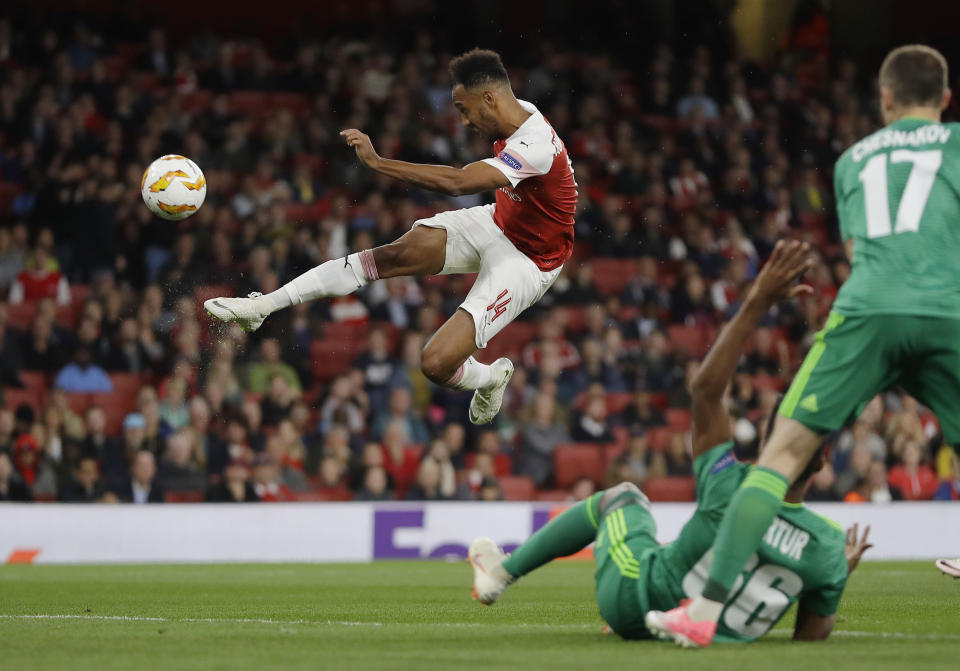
[
  {"x": 490, "y": 579},
  {"x": 950, "y": 567},
  {"x": 486, "y": 402},
  {"x": 247, "y": 312}
]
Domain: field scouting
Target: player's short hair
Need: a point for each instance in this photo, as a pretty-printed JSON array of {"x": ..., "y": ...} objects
[
  {"x": 916, "y": 75},
  {"x": 478, "y": 67}
]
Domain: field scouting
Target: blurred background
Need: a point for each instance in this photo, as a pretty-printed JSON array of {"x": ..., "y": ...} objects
[{"x": 700, "y": 132}]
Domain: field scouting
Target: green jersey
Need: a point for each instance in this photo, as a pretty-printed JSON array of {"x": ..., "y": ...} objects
[
  {"x": 802, "y": 557},
  {"x": 898, "y": 198}
]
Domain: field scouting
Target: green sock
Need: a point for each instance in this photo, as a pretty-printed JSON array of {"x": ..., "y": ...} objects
[
  {"x": 567, "y": 533},
  {"x": 749, "y": 515}
]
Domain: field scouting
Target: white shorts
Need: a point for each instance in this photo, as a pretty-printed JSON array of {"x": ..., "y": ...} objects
[{"x": 508, "y": 282}]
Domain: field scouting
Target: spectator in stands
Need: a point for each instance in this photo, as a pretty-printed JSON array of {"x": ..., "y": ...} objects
[
  {"x": 378, "y": 368},
  {"x": 142, "y": 485},
  {"x": 400, "y": 410},
  {"x": 85, "y": 486},
  {"x": 697, "y": 98},
  {"x": 259, "y": 374},
  {"x": 127, "y": 354},
  {"x": 173, "y": 410},
  {"x": 490, "y": 490},
  {"x": 375, "y": 486},
  {"x": 428, "y": 485},
  {"x": 71, "y": 424},
  {"x": 913, "y": 477},
  {"x": 180, "y": 471},
  {"x": 235, "y": 486},
  {"x": 591, "y": 425},
  {"x": 11, "y": 259},
  {"x": 276, "y": 404},
  {"x": 823, "y": 485},
  {"x": 43, "y": 351},
  {"x": 97, "y": 443},
  {"x": 288, "y": 451},
  {"x": 116, "y": 462},
  {"x": 633, "y": 464},
  {"x": 538, "y": 439},
  {"x": 267, "y": 481},
  {"x": 33, "y": 467},
  {"x": 454, "y": 437},
  {"x": 675, "y": 460},
  {"x": 11, "y": 357},
  {"x": 12, "y": 486},
  {"x": 641, "y": 415},
  {"x": 343, "y": 406},
  {"x": 583, "y": 488},
  {"x": 82, "y": 376},
  {"x": 7, "y": 428},
  {"x": 856, "y": 470},
  {"x": 401, "y": 463},
  {"x": 40, "y": 279}
]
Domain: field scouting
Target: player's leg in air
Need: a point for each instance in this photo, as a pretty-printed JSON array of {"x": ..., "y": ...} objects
[
  {"x": 618, "y": 519},
  {"x": 455, "y": 242}
]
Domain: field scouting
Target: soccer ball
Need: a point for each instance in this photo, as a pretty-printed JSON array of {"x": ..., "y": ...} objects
[{"x": 173, "y": 187}]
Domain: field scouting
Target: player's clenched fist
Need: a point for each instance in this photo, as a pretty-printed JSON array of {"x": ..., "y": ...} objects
[{"x": 361, "y": 143}]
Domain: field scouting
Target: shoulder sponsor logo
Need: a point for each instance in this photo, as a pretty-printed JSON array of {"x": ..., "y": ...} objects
[
  {"x": 509, "y": 160},
  {"x": 723, "y": 462}
]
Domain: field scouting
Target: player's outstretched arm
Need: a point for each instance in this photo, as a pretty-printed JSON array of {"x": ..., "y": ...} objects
[
  {"x": 774, "y": 283},
  {"x": 473, "y": 178}
]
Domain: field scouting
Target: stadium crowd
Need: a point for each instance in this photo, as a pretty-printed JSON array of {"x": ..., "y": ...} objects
[{"x": 117, "y": 387}]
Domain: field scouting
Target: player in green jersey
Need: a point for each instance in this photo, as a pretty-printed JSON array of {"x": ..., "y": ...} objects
[
  {"x": 804, "y": 557},
  {"x": 896, "y": 319}
]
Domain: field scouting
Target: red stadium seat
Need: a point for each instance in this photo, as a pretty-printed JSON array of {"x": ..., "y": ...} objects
[
  {"x": 657, "y": 438},
  {"x": 617, "y": 402},
  {"x": 35, "y": 381},
  {"x": 21, "y": 315},
  {"x": 552, "y": 495},
  {"x": 78, "y": 403},
  {"x": 330, "y": 358},
  {"x": 687, "y": 339},
  {"x": 13, "y": 398},
  {"x": 517, "y": 488},
  {"x": 670, "y": 489},
  {"x": 678, "y": 420},
  {"x": 126, "y": 384},
  {"x": 326, "y": 494},
  {"x": 610, "y": 276},
  {"x": 502, "y": 463},
  {"x": 183, "y": 497},
  {"x": 116, "y": 405},
  {"x": 575, "y": 460}
]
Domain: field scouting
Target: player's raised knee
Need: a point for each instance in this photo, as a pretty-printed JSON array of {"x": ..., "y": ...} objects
[
  {"x": 437, "y": 368},
  {"x": 625, "y": 491}
]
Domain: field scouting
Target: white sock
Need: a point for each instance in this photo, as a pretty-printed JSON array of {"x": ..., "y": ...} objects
[
  {"x": 701, "y": 609},
  {"x": 471, "y": 375},
  {"x": 338, "y": 277}
]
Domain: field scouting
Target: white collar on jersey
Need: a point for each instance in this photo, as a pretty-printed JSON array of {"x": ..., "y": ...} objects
[{"x": 534, "y": 115}]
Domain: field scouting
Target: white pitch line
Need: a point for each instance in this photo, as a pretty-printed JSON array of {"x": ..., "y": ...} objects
[{"x": 843, "y": 633}]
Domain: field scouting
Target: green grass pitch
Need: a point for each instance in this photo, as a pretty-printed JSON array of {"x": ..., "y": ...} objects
[{"x": 418, "y": 615}]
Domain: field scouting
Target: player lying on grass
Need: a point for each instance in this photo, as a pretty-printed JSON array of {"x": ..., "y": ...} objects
[
  {"x": 804, "y": 557},
  {"x": 896, "y": 319},
  {"x": 517, "y": 245}
]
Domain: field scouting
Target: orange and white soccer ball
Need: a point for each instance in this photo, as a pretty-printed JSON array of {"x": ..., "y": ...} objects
[{"x": 173, "y": 187}]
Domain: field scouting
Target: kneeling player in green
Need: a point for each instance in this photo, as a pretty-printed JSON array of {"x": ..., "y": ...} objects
[
  {"x": 896, "y": 320},
  {"x": 804, "y": 557}
]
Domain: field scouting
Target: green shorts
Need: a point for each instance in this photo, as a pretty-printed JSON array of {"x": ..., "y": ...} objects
[
  {"x": 854, "y": 358},
  {"x": 625, "y": 535}
]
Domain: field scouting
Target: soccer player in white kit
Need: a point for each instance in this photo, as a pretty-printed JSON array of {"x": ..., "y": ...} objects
[{"x": 517, "y": 245}]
